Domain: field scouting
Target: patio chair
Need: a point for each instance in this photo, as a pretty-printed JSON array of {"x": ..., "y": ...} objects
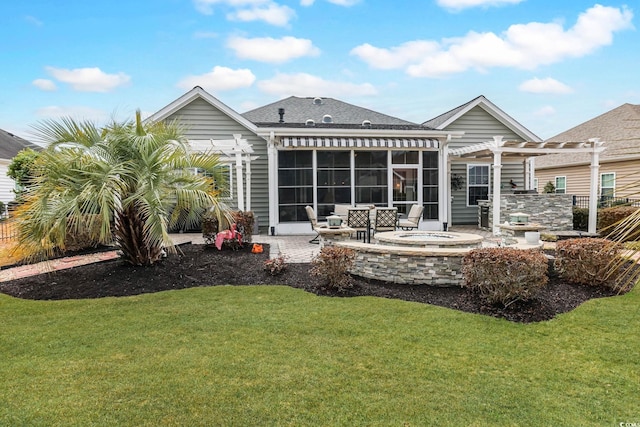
[
  {"x": 315, "y": 225},
  {"x": 386, "y": 219},
  {"x": 413, "y": 218},
  {"x": 358, "y": 219}
]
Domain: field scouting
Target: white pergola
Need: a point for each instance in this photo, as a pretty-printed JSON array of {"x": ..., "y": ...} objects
[
  {"x": 238, "y": 150},
  {"x": 499, "y": 149}
]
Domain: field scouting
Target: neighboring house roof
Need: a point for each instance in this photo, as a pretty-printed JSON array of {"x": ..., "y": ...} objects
[
  {"x": 193, "y": 94},
  {"x": 445, "y": 119},
  {"x": 325, "y": 113},
  {"x": 11, "y": 144},
  {"x": 618, "y": 129}
]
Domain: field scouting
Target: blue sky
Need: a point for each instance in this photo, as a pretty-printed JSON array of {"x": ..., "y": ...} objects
[{"x": 549, "y": 64}]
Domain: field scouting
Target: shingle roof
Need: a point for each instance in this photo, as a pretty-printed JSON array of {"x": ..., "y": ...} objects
[
  {"x": 298, "y": 110},
  {"x": 619, "y": 129},
  {"x": 11, "y": 144}
]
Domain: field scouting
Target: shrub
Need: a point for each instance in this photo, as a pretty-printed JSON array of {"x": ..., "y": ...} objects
[
  {"x": 580, "y": 218},
  {"x": 275, "y": 266},
  {"x": 608, "y": 218},
  {"x": 332, "y": 265},
  {"x": 586, "y": 261},
  {"x": 213, "y": 222},
  {"x": 505, "y": 275}
]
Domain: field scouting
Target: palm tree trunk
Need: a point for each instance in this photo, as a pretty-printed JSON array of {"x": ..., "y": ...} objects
[{"x": 129, "y": 231}]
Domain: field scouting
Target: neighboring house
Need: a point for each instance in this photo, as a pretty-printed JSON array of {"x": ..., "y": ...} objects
[
  {"x": 322, "y": 151},
  {"x": 10, "y": 145},
  {"x": 619, "y": 130},
  {"x": 481, "y": 120}
]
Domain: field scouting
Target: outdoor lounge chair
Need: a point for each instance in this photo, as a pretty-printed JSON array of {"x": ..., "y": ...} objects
[
  {"x": 386, "y": 219},
  {"x": 315, "y": 225},
  {"x": 413, "y": 218}
]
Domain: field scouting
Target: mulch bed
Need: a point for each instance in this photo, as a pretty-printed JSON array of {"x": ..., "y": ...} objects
[{"x": 198, "y": 265}]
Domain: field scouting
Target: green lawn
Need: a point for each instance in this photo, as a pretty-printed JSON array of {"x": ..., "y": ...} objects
[{"x": 259, "y": 356}]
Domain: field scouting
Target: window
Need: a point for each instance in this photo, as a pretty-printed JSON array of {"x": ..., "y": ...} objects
[
  {"x": 295, "y": 184},
  {"x": 561, "y": 184},
  {"x": 227, "y": 176},
  {"x": 608, "y": 185},
  {"x": 477, "y": 184},
  {"x": 334, "y": 180},
  {"x": 535, "y": 184},
  {"x": 430, "y": 184},
  {"x": 371, "y": 177}
]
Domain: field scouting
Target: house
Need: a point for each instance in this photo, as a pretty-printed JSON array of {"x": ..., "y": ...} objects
[
  {"x": 619, "y": 132},
  {"x": 10, "y": 145},
  {"x": 320, "y": 152},
  {"x": 471, "y": 180}
]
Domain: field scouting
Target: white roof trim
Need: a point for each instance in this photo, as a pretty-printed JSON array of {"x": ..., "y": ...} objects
[
  {"x": 198, "y": 92},
  {"x": 498, "y": 114}
]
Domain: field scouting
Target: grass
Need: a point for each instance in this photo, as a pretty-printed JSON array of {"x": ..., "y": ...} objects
[{"x": 279, "y": 356}]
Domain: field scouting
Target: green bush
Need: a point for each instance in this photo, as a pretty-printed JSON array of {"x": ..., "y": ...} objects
[
  {"x": 608, "y": 218},
  {"x": 580, "y": 218},
  {"x": 332, "y": 264},
  {"x": 587, "y": 261},
  {"x": 505, "y": 275}
]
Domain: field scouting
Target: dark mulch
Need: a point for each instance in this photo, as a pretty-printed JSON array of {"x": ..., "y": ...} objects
[{"x": 198, "y": 265}]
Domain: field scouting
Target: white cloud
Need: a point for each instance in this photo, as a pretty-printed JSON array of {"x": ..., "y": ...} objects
[
  {"x": 464, "y": 4},
  {"x": 524, "y": 46},
  {"x": 545, "y": 111},
  {"x": 306, "y": 2},
  {"x": 302, "y": 84},
  {"x": 396, "y": 57},
  {"x": 250, "y": 10},
  {"x": 89, "y": 79},
  {"x": 219, "y": 79},
  {"x": 548, "y": 85},
  {"x": 272, "y": 50},
  {"x": 34, "y": 21},
  {"x": 273, "y": 14},
  {"x": 44, "y": 84}
]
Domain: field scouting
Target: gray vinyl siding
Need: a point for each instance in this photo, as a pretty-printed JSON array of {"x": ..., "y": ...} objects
[
  {"x": 480, "y": 126},
  {"x": 204, "y": 121},
  {"x": 6, "y": 183}
]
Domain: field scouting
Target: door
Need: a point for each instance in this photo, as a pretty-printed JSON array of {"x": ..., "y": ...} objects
[{"x": 405, "y": 188}]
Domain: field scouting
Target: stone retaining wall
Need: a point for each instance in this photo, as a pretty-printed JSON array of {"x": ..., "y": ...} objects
[
  {"x": 553, "y": 211},
  {"x": 411, "y": 266}
]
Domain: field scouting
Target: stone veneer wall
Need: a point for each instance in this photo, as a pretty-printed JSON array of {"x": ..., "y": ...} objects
[
  {"x": 554, "y": 211},
  {"x": 411, "y": 266}
]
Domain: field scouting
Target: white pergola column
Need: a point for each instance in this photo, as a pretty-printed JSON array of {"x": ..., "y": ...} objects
[
  {"x": 247, "y": 173},
  {"x": 497, "y": 178},
  {"x": 593, "y": 190},
  {"x": 444, "y": 177},
  {"x": 239, "y": 180}
]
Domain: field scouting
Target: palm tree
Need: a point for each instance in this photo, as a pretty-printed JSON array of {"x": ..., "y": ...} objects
[{"x": 128, "y": 182}]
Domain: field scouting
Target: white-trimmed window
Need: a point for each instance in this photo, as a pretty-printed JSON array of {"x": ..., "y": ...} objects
[
  {"x": 561, "y": 184},
  {"x": 227, "y": 172},
  {"x": 608, "y": 185},
  {"x": 535, "y": 184},
  {"x": 477, "y": 183}
]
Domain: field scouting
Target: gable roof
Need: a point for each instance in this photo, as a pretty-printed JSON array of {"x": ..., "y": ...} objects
[
  {"x": 193, "y": 94},
  {"x": 11, "y": 144},
  {"x": 446, "y": 119},
  {"x": 298, "y": 110},
  {"x": 618, "y": 129}
]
